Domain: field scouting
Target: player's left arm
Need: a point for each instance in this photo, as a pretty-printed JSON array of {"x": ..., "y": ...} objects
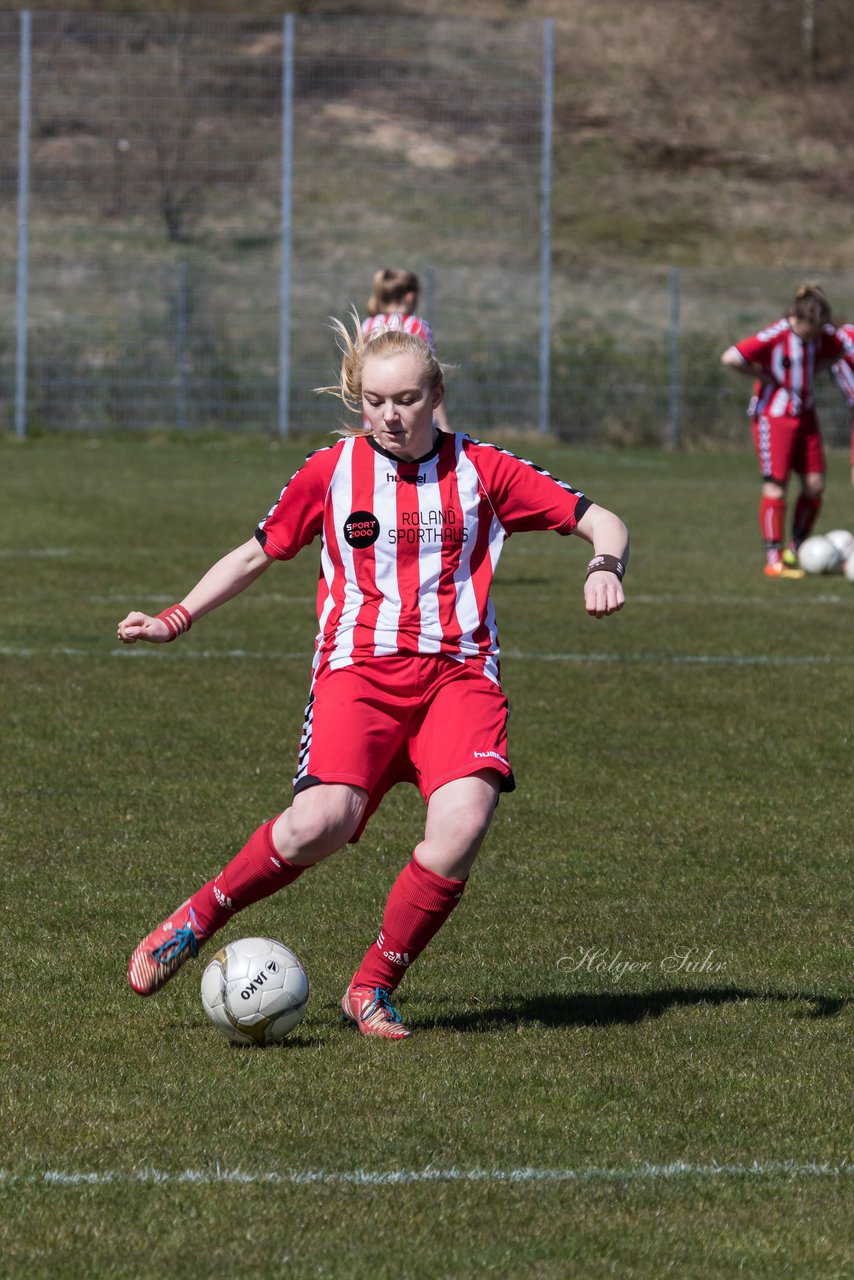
[{"x": 609, "y": 537}]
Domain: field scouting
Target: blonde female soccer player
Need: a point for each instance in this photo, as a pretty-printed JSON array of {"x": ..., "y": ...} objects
[{"x": 405, "y": 683}]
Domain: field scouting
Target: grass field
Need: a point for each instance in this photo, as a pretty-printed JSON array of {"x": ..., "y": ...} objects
[{"x": 633, "y": 1041}]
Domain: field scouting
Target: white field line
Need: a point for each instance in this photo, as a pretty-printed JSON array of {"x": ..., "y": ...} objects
[
  {"x": 761, "y": 602},
  {"x": 734, "y": 602},
  {"x": 259, "y": 598},
  {"x": 787, "y": 1169},
  {"x": 515, "y": 655},
  {"x": 96, "y": 553},
  {"x": 686, "y": 659},
  {"x": 134, "y": 652}
]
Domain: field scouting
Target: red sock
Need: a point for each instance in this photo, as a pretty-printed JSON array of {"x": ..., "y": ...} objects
[
  {"x": 418, "y": 905},
  {"x": 256, "y": 872},
  {"x": 806, "y": 513},
  {"x": 772, "y": 522}
]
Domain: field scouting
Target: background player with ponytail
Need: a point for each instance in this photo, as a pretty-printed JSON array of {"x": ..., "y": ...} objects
[
  {"x": 405, "y": 683},
  {"x": 393, "y": 305}
]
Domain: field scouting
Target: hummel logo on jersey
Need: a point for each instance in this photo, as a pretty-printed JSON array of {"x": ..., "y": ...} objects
[
  {"x": 393, "y": 478},
  {"x": 361, "y": 529},
  {"x": 483, "y": 755}
]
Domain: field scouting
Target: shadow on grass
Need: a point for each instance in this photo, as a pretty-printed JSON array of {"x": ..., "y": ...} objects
[{"x": 556, "y": 1010}]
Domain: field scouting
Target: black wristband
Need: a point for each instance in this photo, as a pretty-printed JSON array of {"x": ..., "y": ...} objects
[{"x": 606, "y": 564}]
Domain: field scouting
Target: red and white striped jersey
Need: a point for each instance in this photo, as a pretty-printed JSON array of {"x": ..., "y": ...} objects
[
  {"x": 793, "y": 363},
  {"x": 409, "y": 549},
  {"x": 843, "y": 370},
  {"x": 395, "y": 320}
]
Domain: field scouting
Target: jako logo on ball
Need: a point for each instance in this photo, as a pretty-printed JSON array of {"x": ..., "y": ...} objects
[
  {"x": 259, "y": 979},
  {"x": 361, "y": 529}
]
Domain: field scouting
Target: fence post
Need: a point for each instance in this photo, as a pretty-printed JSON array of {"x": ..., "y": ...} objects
[
  {"x": 22, "y": 301},
  {"x": 673, "y": 397},
  {"x": 182, "y": 359},
  {"x": 546, "y": 224},
  {"x": 429, "y": 292},
  {"x": 287, "y": 223}
]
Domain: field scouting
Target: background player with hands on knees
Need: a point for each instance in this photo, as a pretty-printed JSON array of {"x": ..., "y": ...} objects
[
  {"x": 784, "y": 359},
  {"x": 405, "y": 683}
]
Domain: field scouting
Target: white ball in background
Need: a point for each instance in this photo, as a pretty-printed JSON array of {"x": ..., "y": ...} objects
[
  {"x": 843, "y": 540},
  {"x": 819, "y": 555}
]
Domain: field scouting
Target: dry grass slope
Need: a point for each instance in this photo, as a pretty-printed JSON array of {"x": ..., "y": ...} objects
[{"x": 685, "y": 132}]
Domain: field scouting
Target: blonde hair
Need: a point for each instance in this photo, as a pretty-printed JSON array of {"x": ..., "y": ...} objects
[
  {"x": 355, "y": 347},
  {"x": 811, "y": 305},
  {"x": 390, "y": 289}
]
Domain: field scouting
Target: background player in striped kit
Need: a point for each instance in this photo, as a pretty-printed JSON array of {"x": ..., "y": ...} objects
[
  {"x": 406, "y": 682},
  {"x": 784, "y": 359},
  {"x": 393, "y": 304},
  {"x": 844, "y": 376}
]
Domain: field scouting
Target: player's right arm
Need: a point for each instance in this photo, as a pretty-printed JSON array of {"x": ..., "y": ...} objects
[
  {"x": 753, "y": 356},
  {"x": 292, "y": 523},
  {"x": 224, "y": 580},
  {"x": 732, "y": 358}
]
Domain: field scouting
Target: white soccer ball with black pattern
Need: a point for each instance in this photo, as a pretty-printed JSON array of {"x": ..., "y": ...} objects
[{"x": 255, "y": 990}]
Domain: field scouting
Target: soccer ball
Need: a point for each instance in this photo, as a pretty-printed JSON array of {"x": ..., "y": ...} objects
[
  {"x": 843, "y": 541},
  {"x": 818, "y": 555},
  {"x": 255, "y": 990}
]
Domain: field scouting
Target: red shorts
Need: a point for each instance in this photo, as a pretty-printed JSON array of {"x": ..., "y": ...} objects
[
  {"x": 426, "y": 720},
  {"x": 784, "y": 445}
]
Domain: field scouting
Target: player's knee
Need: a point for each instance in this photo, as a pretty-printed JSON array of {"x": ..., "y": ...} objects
[
  {"x": 452, "y": 842},
  {"x": 320, "y": 820},
  {"x": 453, "y": 857}
]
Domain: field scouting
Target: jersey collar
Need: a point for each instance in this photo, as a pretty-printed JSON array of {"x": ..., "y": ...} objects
[{"x": 438, "y": 440}]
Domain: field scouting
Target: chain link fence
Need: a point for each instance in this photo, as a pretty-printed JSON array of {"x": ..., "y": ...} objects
[
  {"x": 187, "y": 200},
  {"x": 636, "y": 353}
]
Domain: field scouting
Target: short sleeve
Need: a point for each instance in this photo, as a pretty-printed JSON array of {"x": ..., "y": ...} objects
[
  {"x": 296, "y": 518},
  {"x": 753, "y": 350},
  {"x": 524, "y": 496}
]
